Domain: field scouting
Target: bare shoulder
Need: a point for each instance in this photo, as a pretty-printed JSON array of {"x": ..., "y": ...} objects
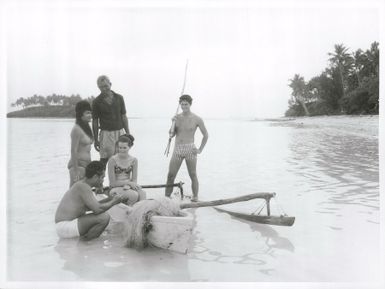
[
  {"x": 197, "y": 118},
  {"x": 134, "y": 160},
  {"x": 81, "y": 188},
  {"x": 76, "y": 130}
]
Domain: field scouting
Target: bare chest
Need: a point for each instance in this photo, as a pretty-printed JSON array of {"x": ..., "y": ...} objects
[{"x": 186, "y": 124}]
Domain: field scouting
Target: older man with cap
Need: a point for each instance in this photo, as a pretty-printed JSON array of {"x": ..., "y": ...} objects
[{"x": 108, "y": 115}]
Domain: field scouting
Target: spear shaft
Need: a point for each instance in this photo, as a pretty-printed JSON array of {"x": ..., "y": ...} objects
[{"x": 172, "y": 129}]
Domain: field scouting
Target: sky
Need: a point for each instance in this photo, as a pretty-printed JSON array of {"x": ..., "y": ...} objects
[{"x": 241, "y": 54}]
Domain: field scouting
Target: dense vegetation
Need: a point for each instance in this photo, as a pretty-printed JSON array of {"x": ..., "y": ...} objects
[
  {"x": 50, "y": 106},
  {"x": 349, "y": 85}
]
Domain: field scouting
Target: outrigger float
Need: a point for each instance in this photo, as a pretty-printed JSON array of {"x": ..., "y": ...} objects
[{"x": 174, "y": 232}]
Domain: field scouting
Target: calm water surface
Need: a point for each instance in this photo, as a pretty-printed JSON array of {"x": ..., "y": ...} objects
[{"x": 325, "y": 172}]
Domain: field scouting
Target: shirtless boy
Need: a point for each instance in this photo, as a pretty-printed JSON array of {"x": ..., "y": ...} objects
[
  {"x": 72, "y": 219},
  {"x": 186, "y": 124}
]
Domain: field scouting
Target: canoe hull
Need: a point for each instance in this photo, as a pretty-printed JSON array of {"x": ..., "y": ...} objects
[
  {"x": 171, "y": 233},
  {"x": 269, "y": 220}
]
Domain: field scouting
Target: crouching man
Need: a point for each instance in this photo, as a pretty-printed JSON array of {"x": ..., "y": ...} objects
[{"x": 73, "y": 217}]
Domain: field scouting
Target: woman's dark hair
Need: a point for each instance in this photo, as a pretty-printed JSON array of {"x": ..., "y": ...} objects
[
  {"x": 94, "y": 168},
  {"x": 80, "y": 108},
  {"x": 127, "y": 138}
]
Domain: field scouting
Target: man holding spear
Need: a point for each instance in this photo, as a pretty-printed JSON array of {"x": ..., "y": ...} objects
[{"x": 184, "y": 127}]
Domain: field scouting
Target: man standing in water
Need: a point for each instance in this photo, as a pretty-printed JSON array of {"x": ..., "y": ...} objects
[
  {"x": 71, "y": 218},
  {"x": 186, "y": 124},
  {"x": 108, "y": 114}
]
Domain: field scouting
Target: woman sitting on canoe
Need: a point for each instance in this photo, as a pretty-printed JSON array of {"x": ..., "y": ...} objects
[
  {"x": 123, "y": 172},
  {"x": 81, "y": 141}
]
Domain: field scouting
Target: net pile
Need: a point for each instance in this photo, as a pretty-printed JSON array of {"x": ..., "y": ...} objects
[{"x": 138, "y": 222}]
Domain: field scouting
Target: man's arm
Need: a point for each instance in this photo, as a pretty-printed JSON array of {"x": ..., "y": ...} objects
[
  {"x": 75, "y": 139},
  {"x": 95, "y": 129},
  {"x": 205, "y": 134},
  {"x": 125, "y": 123},
  {"x": 172, "y": 130},
  {"x": 123, "y": 114},
  {"x": 94, "y": 205}
]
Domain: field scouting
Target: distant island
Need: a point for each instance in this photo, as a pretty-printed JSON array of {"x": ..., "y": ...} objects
[
  {"x": 60, "y": 106},
  {"x": 349, "y": 85},
  {"x": 45, "y": 112}
]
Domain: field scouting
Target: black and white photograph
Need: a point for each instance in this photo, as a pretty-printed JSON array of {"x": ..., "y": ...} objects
[{"x": 212, "y": 143}]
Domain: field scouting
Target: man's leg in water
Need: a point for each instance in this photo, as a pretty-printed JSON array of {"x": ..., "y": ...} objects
[
  {"x": 92, "y": 226},
  {"x": 173, "y": 169},
  {"x": 192, "y": 171}
]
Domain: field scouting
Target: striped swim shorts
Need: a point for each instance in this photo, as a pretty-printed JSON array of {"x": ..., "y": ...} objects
[
  {"x": 108, "y": 141},
  {"x": 184, "y": 151}
]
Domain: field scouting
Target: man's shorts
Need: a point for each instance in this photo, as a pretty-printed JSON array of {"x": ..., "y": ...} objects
[
  {"x": 67, "y": 229},
  {"x": 185, "y": 151},
  {"x": 108, "y": 141}
]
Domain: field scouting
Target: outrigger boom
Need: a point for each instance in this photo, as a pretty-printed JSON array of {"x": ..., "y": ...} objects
[{"x": 281, "y": 220}]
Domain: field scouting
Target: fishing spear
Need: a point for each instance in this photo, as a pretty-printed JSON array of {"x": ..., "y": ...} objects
[{"x": 172, "y": 129}]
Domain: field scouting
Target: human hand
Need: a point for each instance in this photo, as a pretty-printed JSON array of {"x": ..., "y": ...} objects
[
  {"x": 98, "y": 190},
  {"x": 117, "y": 198},
  {"x": 97, "y": 145},
  {"x": 196, "y": 151},
  {"x": 106, "y": 190},
  {"x": 77, "y": 174},
  {"x": 131, "y": 185}
]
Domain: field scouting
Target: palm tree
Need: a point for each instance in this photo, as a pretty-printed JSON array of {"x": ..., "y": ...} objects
[
  {"x": 299, "y": 91},
  {"x": 373, "y": 56},
  {"x": 342, "y": 60},
  {"x": 358, "y": 63}
]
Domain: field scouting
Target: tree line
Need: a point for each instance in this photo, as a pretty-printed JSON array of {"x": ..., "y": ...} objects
[
  {"x": 49, "y": 100},
  {"x": 348, "y": 85}
]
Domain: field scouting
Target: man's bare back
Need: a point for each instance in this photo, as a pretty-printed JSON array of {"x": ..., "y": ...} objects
[{"x": 72, "y": 205}]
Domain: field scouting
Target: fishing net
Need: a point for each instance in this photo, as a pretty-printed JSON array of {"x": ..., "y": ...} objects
[{"x": 138, "y": 222}]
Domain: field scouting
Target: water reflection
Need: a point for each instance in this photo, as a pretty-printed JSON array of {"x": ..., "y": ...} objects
[
  {"x": 106, "y": 259},
  {"x": 345, "y": 165},
  {"x": 267, "y": 242}
]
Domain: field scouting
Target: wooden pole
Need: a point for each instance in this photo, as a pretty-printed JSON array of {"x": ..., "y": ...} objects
[
  {"x": 172, "y": 129},
  {"x": 268, "y": 206},
  {"x": 162, "y": 186},
  {"x": 266, "y": 196}
]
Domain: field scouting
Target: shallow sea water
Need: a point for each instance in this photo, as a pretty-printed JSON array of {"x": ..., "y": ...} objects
[{"x": 325, "y": 172}]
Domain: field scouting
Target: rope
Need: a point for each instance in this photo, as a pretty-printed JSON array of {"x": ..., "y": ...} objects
[{"x": 260, "y": 208}]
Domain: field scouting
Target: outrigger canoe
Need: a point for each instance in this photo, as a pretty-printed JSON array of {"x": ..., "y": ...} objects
[
  {"x": 171, "y": 233},
  {"x": 174, "y": 232}
]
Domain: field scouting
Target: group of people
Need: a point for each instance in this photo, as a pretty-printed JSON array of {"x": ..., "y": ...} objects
[{"x": 80, "y": 213}]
